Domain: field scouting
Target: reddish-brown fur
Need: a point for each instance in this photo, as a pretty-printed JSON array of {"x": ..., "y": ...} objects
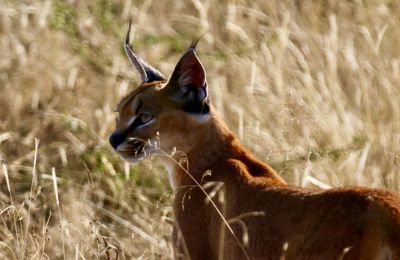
[
  {"x": 316, "y": 224},
  {"x": 349, "y": 223}
]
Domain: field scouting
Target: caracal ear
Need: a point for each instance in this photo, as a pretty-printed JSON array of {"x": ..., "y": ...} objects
[
  {"x": 147, "y": 73},
  {"x": 188, "y": 81}
]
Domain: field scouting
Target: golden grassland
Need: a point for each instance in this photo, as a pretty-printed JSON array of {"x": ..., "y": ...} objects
[{"x": 312, "y": 87}]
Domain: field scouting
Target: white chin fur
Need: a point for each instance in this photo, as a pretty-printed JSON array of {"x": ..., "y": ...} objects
[{"x": 148, "y": 151}]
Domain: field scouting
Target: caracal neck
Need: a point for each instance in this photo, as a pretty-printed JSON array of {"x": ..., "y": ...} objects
[{"x": 216, "y": 144}]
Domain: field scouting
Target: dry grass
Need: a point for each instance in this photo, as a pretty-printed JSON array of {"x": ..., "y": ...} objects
[{"x": 310, "y": 86}]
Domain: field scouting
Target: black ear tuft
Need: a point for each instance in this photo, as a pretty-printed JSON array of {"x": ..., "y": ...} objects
[
  {"x": 147, "y": 73},
  {"x": 194, "y": 43}
]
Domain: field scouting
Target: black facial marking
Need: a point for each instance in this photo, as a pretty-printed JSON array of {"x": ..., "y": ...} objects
[
  {"x": 137, "y": 122},
  {"x": 119, "y": 137},
  {"x": 116, "y": 139},
  {"x": 140, "y": 105}
]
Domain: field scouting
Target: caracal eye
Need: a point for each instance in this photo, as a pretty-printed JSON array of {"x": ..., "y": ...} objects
[{"x": 145, "y": 118}]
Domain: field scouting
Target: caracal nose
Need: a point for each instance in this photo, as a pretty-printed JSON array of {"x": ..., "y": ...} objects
[{"x": 116, "y": 139}]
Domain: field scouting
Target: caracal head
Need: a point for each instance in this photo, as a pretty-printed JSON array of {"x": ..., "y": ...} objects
[{"x": 162, "y": 115}]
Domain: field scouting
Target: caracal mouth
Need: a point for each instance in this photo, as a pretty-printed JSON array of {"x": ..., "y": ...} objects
[{"x": 135, "y": 150}]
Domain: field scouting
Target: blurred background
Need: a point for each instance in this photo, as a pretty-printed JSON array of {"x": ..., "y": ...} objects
[{"x": 311, "y": 87}]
